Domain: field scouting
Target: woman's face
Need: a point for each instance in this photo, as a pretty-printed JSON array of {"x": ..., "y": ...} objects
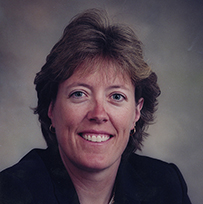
[{"x": 93, "y": 115}]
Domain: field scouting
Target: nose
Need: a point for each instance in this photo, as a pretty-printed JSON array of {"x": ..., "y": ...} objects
[{"x": 97, "y": 113}]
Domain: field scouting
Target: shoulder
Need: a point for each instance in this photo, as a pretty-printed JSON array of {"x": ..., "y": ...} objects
[
  {"x": 153, "y": 180},
  {"x": 27, "y": 176},
  {"x": 156, "y": 170},
  {"x": 30, "y": 164},
  {"x": 148, "y": 164}
]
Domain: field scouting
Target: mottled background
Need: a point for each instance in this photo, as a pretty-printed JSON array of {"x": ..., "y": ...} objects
[{"x": 172, "y": 32}]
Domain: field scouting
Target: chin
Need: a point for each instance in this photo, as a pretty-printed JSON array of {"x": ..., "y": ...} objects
[{"x": 98, "y": 164}]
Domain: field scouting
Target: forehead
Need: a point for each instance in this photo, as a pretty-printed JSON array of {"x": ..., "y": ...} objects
[{"x": 101, "y": 69}]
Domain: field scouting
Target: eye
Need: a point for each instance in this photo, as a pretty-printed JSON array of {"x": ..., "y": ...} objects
[
  {"x": 118, "y": 97},
  {"x": 77, "y": 94}
]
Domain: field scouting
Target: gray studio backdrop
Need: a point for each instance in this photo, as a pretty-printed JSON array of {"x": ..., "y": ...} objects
[{"x": 172, "y": 33}]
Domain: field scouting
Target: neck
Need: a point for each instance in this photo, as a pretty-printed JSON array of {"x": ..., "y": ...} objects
[
  {"x": 93, "y": 186},
  {"x": 94, "y": 189}
]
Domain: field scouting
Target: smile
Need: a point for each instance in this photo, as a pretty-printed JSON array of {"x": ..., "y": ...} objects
[{"x": 96, "y": 138}]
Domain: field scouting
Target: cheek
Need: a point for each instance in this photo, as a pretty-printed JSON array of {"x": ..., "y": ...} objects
[
  {"x": 67, "y": 118},
  {"x": 124, "y": 121},
  {"x": 128, "y": 117}
]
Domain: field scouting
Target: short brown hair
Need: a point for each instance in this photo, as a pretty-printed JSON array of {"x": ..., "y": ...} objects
[{"x": 89, "y": 35}]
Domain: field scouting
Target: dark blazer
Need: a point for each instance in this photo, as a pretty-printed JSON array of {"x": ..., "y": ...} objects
[{"x": 41, "y": 178}]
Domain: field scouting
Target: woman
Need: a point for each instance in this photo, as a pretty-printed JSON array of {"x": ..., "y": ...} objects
[{"x": 96, "y": 96}]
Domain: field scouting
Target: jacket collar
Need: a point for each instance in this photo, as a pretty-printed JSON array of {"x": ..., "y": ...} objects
[{"x": 130, "y": 187}]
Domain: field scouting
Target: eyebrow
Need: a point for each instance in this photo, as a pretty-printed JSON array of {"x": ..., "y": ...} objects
[
  {"x": 118, "y": 87},
  {"x": 75, "y": 84},
  {"x": 78, "y": 84},
  {"x": 89, "y": 86}
]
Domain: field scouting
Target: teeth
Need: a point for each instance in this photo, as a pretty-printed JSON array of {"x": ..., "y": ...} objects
[{"x": 96, "y": 138}]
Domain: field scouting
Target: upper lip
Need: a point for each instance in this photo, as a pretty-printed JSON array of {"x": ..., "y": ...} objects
[{"x": 95, "y": 132}]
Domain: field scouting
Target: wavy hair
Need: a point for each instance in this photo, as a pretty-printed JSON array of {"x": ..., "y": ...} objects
[{"x": 90, "y": 36}]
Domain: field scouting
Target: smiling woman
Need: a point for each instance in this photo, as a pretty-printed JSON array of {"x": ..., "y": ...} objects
[
  {"x": 96, "y": 96},
  {"x": 88, "y": 117}
]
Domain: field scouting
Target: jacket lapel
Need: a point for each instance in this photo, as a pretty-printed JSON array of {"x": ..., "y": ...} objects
[{"x": 130, "y": 187}]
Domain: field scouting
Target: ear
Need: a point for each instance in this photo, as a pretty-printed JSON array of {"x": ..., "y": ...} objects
[
  {"x": 138, "y": 109},
  {"x": 50, "y": 111}
]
